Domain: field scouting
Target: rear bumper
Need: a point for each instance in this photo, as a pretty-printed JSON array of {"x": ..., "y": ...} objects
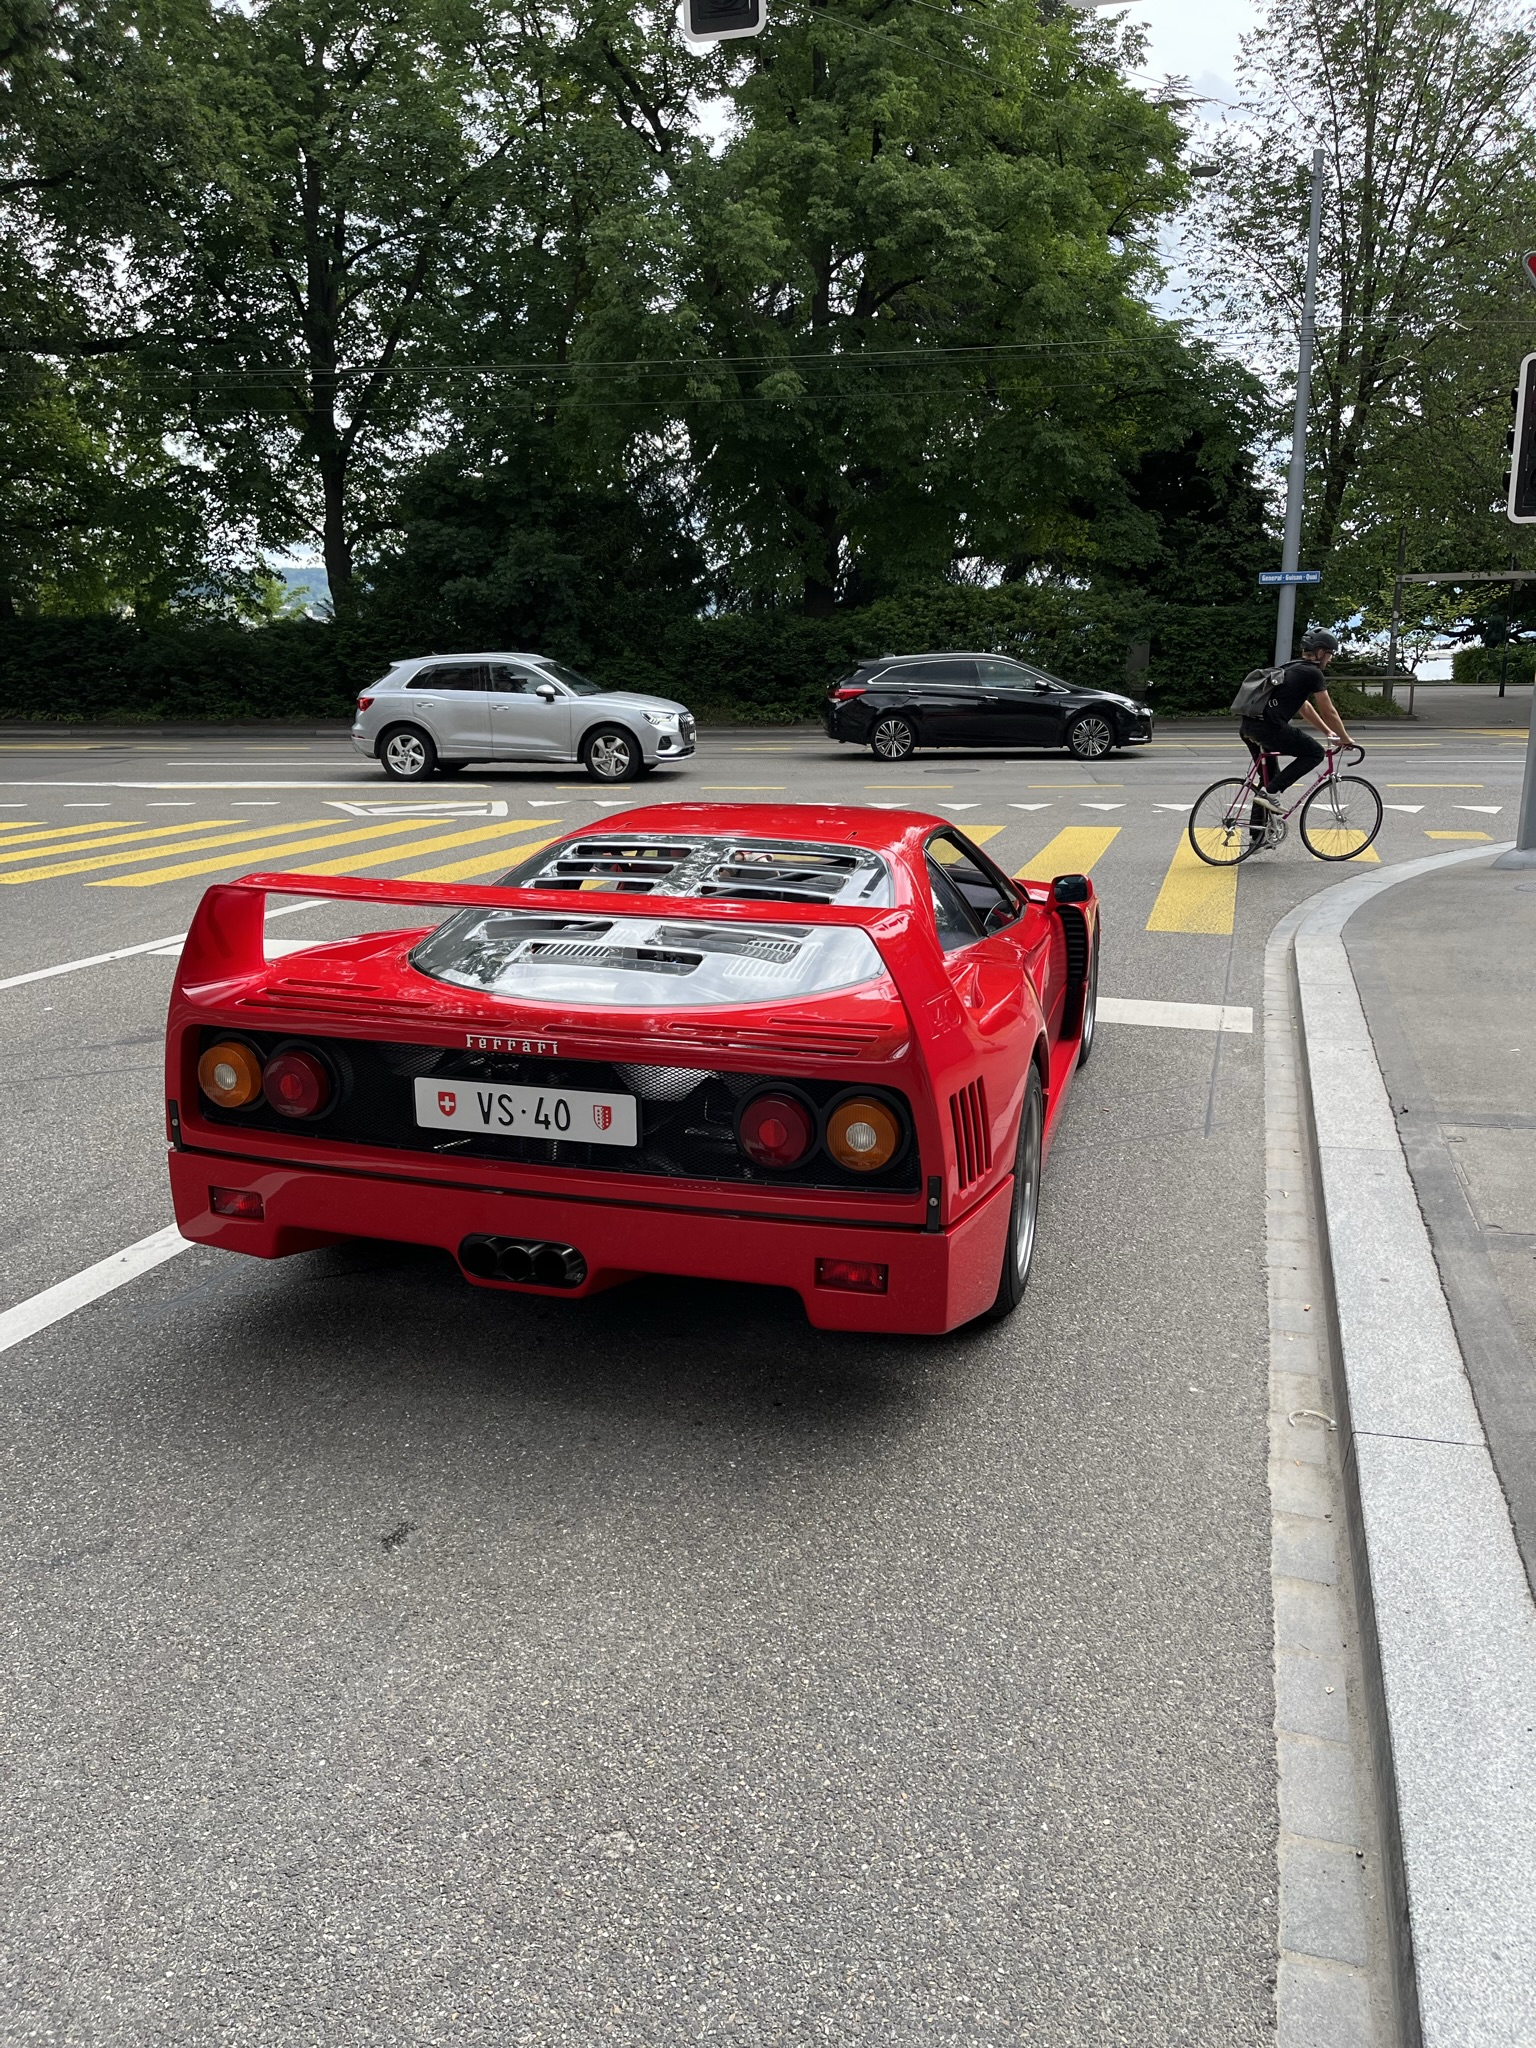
[{"x": 937, "y": 1280}]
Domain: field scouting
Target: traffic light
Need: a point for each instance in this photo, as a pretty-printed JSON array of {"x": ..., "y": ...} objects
[
  {"x": 1521, "y": 505},
  {"x": 715, "y": 21}
]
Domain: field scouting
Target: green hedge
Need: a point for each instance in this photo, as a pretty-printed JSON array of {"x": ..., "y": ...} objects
[
  {"x": 770, "y": 668},
  {"x": 1481, "y": 664}
]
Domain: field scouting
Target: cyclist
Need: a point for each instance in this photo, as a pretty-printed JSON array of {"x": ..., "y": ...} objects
[{"x": 1301, "y": 688}]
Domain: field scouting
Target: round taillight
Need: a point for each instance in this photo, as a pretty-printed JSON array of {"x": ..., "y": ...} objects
[
  {"x": 863, "y": 1133},
  {"x": 776, "y": 1129},
  {"x": 296, "y": 1084},
  {"x": 230, "y": 1075}
]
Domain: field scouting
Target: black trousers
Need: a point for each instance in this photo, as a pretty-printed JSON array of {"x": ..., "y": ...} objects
[{"x": 1274, "y": 736}]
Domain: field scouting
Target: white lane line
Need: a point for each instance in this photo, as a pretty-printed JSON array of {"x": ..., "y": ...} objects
[
  {"x": 265, "y": 783},
  {"x": 173, "y": 942},
  {"x": 1415, "y": 808},
  {"x": 1175, "y": 807},
  {"x": 1103, "y": 807},
  {"x": 54, "y": 1303},
  {"x": 1176, "y": 1016},
  {"x": 1488, "y": 810},
  {"x": 1029, "y": 807},
  {"x": 276, "y": 949}
]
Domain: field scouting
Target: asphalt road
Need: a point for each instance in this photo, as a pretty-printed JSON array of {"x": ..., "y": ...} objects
[{"x": 392, "y": 1662}]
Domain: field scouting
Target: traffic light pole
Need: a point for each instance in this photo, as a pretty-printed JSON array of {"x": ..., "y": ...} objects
[{"x": 1295, "y": 487}]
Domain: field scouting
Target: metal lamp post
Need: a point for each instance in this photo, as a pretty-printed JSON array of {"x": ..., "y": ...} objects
[{"x": 1290, "y": 558}]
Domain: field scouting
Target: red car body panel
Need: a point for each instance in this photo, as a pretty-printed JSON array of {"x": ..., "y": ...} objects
[{"x": 951, "y": 1033}]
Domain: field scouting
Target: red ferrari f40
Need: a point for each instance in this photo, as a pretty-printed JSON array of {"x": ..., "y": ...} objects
[{"x": 817, "y": 1048}]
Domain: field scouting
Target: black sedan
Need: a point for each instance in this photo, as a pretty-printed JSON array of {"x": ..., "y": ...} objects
[{"x": 903, "y": 702}]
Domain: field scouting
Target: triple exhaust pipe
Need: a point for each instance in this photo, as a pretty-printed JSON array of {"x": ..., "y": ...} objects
[{"x": 523, "y": 1262}]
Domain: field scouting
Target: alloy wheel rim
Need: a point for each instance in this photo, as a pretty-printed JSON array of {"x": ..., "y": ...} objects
[
  {"x": 406, "y": 754},
  {"x": 610, "y": 755},
  {"x": 1091, "y": 1002},
  {"x": 1030, "y": 1193},
  {"x": 1091, "y": 738},
  {"x": 892, "y": 741}
]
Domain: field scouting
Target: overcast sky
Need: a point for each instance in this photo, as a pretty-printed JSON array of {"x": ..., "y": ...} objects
[{"x": 1194, "y": 39}]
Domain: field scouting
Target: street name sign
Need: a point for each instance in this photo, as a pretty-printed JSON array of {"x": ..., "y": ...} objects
[{"x": 1271, "y": 579}]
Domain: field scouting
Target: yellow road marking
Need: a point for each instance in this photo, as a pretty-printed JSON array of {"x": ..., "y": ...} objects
[
  {"x": 89, "y": 862},
  {"x": 1072, "y": 852},
  {"x": 1343, "y": 839},
  {"x": 483, "y": 864},
  {"x": 744, "y": 785},
  {"x": 980, "y": 834},
  {"x": 1195, "y": 897},
  {"x": 150, "y": 878},
  {"x": 349, "y": 863},
  {"x": 105, "y": 832},
  {"x": 1455, "y": 835}
]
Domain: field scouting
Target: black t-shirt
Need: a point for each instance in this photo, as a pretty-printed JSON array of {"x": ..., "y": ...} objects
[{"x": 1301, "y": 680}]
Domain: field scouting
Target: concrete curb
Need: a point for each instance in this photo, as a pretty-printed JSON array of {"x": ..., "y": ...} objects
[{"x": 1444, "y": 1601}]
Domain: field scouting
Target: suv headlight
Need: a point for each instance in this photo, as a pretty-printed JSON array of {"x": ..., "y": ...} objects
[{"x": 667, "y": 720}]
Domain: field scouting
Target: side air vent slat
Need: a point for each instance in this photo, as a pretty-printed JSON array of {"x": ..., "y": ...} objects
[{"x": 972, "y": 1130}]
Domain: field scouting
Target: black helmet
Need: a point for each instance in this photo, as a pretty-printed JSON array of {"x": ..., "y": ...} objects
[{"x": 1319, "y": 641}]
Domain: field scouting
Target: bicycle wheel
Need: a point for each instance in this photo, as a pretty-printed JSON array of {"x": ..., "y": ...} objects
[
  {"x": 1340, "y": 818},
  {"x": 1219, "y": 830}
]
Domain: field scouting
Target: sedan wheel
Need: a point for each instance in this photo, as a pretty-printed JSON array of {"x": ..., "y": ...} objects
[
  {"x": 1019, "y": 1250},
  {"x": 893, "y": 739},
  {"x": 408, "y": 755},
  {"x": 1090, "y": 737},
  {"x": 612, "y": 755}
]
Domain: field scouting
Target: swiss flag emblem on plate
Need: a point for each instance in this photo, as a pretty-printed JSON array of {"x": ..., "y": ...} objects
[{"x": 447, "y": 1101}]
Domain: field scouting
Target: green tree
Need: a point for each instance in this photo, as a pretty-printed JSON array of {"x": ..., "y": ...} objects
[{"x": 1423, "y": 109}]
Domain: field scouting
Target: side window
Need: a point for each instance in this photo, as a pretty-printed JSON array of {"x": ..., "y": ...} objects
[
  {"x": 984, "y": 895},
  {"x": 514, "y": 682},
  {"x": 466, "y": 675},
  {"x": 928, "y": 672},
  {"x": 954, "y": 922},
  {"x": 1004, "y": 675}
]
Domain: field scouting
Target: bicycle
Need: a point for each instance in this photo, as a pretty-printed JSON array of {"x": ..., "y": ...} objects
[{"x": 1340, "y": 815}]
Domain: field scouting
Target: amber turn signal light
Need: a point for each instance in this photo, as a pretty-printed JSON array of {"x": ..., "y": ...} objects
[
  {"x": 230, "y": 1075},
  {"x": 863, "y": 1133}
]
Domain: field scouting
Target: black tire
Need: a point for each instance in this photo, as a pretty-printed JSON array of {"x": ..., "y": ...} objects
[
  {"x": 406, "y": 754},
  {"x": 1221, "y": 823},
  {"x": 1341, "y": 818},
  {"x": 892, "y": 737},
  {"x": 610, "y": 754},
  {"x": 1088, "y": 1019},
  {"x": 1091, "y": 736},
  {"x": 451, "y": 767},
  {"x": 1019, "y": 1249}
]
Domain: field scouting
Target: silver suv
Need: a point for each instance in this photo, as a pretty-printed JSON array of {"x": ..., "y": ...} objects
[{"x": 436, "y": 714}]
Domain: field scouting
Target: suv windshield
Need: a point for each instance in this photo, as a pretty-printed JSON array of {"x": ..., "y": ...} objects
[{"x": 578, "y": 684}]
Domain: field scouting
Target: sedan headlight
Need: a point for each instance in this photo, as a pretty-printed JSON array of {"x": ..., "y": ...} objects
[{"x": 667, "y": 720}]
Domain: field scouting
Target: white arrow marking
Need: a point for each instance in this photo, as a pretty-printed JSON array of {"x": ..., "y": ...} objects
[
  {"x": 1029, "y": 807},
  {"x": 1103, "y": 807},
  {"x": 1488, "y": 810},
  {"x": 1414, "y": 808},
  {"x": 546, "y": 803},
  {"x": 483, "y": 807},
  {"x": 1174, "y": 807},
  {"x": 957, "y": 807}
]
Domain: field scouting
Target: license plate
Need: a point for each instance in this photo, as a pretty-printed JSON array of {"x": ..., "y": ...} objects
[{"x": 477, "y": 1108}]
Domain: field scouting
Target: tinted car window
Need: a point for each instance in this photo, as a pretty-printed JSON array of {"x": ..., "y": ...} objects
[
  {"x": 957, "y": 925},
  {"x": 578, "y": 684},
  {"x": 467, "y": 675},
  {"x": 915, "y": 674},
  {"x": 510, "y": 682},
  {"x": 1007, "y": 675},
  {"x": 981, "y": 891}
]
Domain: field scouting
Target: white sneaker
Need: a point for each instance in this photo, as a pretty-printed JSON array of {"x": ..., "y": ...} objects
[{"x": 1265, "y": 801}]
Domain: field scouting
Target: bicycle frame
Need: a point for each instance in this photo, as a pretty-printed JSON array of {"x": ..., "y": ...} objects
[{"x": 1258, "y": 778}]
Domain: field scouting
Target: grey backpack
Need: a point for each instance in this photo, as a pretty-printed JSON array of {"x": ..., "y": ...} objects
[{"x": 1255, "y": 691}]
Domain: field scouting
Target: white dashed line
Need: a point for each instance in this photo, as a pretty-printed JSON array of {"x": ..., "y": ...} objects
[
  {"x": 116, "y": 1270},
  {"x": 1176, "y": 1016}
]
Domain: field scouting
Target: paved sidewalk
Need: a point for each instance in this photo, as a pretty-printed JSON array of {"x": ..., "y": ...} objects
[{"x": 1446, "y": 969}]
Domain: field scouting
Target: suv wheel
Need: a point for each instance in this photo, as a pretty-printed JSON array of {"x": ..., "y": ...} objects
[
  {"x": 611, "y": 755},
  {"x": 407, "y": 754},
  {"x": 1091, "y": 736},
  {"x": 892, "y": 738}
]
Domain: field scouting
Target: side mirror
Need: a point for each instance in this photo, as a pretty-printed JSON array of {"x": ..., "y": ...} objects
[
  {"x": 546, "y": 693},
  {"x": 1070, "y": 889}
]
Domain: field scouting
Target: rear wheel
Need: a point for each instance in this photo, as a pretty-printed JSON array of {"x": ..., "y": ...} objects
[
  {"x": 1090, "y": 1017},
  {"x": 1219, "y": 829},
  {"x": 1090, "y": 737},
  {"x": 893, "y": 737},
  {"x": 1019, "y": 1251},
  {"x": 407, "y": 754},
  {"x": 1340, "y": 818},
  {"x": 611, "y": 755}
]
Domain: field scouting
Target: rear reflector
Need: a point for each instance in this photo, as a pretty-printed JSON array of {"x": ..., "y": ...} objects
[
  {"x": 236, "y": 1202},
  {"x": 852, "y": 1276}
]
